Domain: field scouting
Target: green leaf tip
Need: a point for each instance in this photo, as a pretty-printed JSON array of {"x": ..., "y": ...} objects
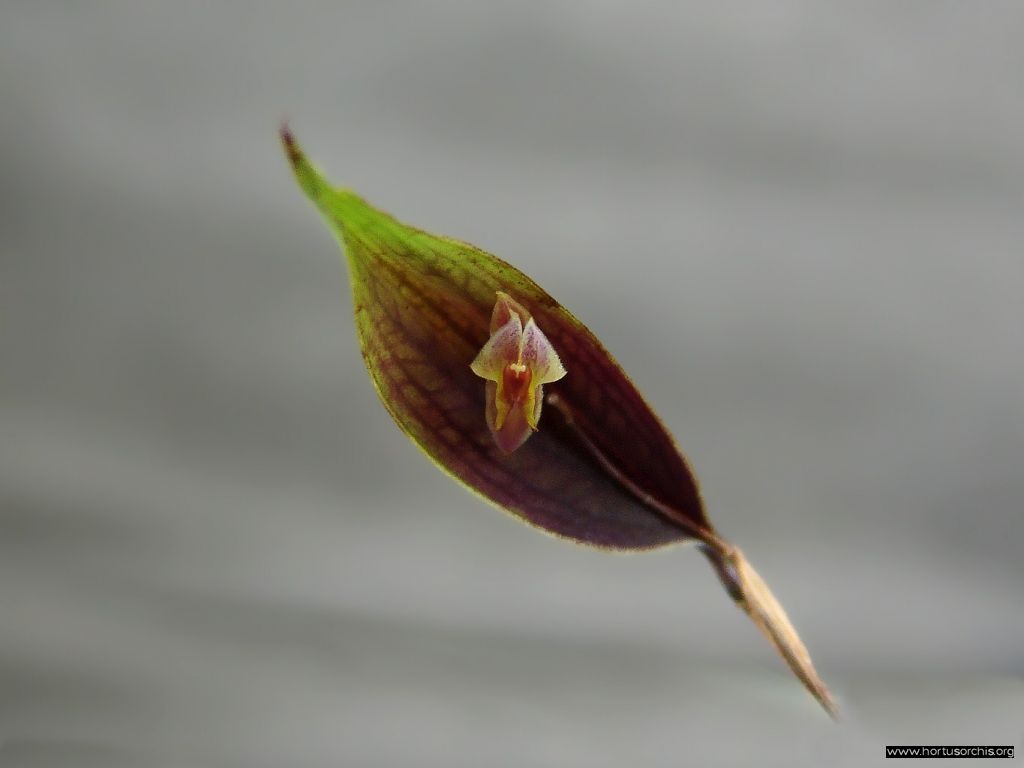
[
  {"x": 310, "y": 180},
  {"x": 464, "y": 349}
]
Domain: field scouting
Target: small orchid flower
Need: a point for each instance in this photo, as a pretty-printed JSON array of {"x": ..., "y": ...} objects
[
  {"x": 516, "y": 361},
  {"x": 459, "y": 345}
]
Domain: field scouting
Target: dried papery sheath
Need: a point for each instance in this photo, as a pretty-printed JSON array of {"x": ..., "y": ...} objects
[{"x": 515, "y": 398}]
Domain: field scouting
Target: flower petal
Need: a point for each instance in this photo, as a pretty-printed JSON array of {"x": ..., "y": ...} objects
[
  {"x": 501, "y": 349},
  {"x": 540, "y": 356},
  {"x": 513, "y": 430},
  {"x": 504, "y": 307}
]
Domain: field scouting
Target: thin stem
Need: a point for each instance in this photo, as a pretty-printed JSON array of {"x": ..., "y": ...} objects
[{"x": 705, "y": 535}]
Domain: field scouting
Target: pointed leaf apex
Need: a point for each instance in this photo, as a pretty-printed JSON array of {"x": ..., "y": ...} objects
[
  {"x": 342, "y": 207},
  {"x": 310, "y": 180}
]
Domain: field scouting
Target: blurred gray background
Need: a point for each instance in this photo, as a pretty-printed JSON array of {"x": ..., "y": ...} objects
[{"x": 798, "y": 227}]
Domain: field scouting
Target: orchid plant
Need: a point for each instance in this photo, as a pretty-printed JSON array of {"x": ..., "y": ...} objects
[{"x": 512, "y": 396}]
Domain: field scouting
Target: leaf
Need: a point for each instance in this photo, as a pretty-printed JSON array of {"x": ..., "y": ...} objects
[{"x": 515, "y": 398}]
